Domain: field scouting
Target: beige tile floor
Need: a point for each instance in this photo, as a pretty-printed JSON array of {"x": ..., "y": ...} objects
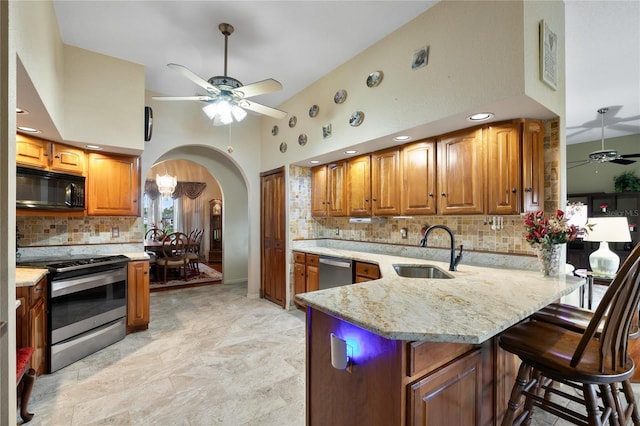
[{"x": 210, "y": 357}]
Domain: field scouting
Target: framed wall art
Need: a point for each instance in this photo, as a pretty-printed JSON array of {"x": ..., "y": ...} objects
[
  {"x": 548, "y": 56},
  {"x": 420, "y": 58}
]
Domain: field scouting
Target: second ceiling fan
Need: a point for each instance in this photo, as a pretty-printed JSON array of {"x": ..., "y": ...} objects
[
  {"x": 226, "y": 97},
  {"x": 605, "y": 155}
]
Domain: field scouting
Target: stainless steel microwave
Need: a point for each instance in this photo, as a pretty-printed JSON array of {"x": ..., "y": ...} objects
[{"x": 41, "y": 189}]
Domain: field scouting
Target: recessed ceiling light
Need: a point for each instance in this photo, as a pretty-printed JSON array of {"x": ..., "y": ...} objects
[
  {"x": 28, "y": 129},
  {"x": 94, "y": 147},
  {"x": 402, "y": 138},
  {"x": 481, "y": 116},
  {"x": 314, "y": 161},
  {"x": 21, "y": 111},
  {"x": 351, "y": 152}
]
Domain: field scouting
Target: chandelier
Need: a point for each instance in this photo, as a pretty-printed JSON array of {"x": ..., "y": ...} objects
[{"x": 166, "y": 184}]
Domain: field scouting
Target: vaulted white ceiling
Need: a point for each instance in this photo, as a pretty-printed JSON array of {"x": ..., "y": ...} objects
[{"x": 297, "y": 42}]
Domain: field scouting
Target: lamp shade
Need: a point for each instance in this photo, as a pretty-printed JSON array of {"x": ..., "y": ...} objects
[
  {"x": 603, "y": 261},
  {"x": 609, "y": 229}
]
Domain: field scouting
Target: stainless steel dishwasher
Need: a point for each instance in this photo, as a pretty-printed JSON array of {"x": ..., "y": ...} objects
[{"x": 335, "y": 272}]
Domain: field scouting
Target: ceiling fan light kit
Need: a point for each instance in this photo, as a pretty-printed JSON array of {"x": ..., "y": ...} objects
[{"x": 226, "y": 97}]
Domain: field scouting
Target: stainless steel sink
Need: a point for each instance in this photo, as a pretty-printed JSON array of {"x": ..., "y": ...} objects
[{"x": 421, "y": 271}]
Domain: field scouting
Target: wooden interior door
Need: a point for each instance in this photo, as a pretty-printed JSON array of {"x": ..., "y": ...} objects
[{"x": 272, "y": 235}]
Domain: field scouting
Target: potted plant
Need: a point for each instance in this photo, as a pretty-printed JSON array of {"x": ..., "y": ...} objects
[{"x": 626, "y": 182}]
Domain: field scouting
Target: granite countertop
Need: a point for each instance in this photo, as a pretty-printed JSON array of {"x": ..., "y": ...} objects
[
  {"x": 30, "y": 276},
  {"x": 474, "y": 306}
]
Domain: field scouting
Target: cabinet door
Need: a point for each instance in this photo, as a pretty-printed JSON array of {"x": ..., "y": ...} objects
[
  {"x": 319, "y": 191},
  {"x": 138, "y": 296},
  {"x": 32, "y": 152},
  {"x": 460, "y": 173},
  {"x": 312, "y": 270},
  {"x": 38, "y": 336},
  {"x": 114, "y": 185},
  {"x": 503, "y": 169},
  {"x": 299, "y": 278},
  {"x": 385, "y": 182},
  {"x": 67, "y": 160},
  {"x": 419, "y": 178},
  {"x": 450, "y": 396},
  {"x": 273, "y": 238},
  {"x": 532, "y": 166},
  {"x": 359, "y": 181},
  {"x": 337, "y": 189}
]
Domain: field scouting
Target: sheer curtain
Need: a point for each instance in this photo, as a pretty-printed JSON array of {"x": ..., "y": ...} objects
[{"x": 189, "y": 214}]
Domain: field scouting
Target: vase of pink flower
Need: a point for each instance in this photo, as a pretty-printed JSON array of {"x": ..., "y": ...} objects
[{"x": 547, "y": 235}]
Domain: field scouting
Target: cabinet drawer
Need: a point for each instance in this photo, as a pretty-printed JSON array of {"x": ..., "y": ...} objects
[
  {"x": 37, "y": 291},
  {"x": 298, "y": 257},
  {"x": 368, "y": 270},
  {"x": 313, "y": 259},
  {"x": 429, "y": 355}
]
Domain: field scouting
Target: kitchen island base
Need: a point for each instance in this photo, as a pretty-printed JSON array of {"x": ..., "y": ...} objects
[{"x": 396, "y": 382}]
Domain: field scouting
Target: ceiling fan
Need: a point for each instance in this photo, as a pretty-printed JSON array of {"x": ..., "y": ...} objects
[
  {"x": 605, "y": 155},
  {"x": 226, "y": 97}
]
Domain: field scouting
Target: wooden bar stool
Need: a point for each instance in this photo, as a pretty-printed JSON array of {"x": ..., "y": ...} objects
[
  {"x": 26, "y": 376},
  {"x": 593, "y": 360}
]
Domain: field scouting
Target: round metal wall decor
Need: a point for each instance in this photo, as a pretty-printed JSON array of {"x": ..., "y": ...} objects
[
  {"x": 302, "y": 139},
  {"x": 340, "y": 96},
  {"x": 375, "y": 78},
  {"x": 274, "y": 130},
  {"x": 292, "y": 121},
  {"x": 283, "y": 147},
  {"x": 313, "y": 111},
  {"x": 356, "y": 118}
]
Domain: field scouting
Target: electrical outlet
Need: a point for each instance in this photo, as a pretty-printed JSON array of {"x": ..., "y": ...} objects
[
  {"x": 115, "y": 232},
  {"x": 337, "y": 230},
  {"x": 403, "y": 233}
]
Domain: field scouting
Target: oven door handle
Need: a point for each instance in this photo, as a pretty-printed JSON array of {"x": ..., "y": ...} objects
[{"x": 74, "y": 285}]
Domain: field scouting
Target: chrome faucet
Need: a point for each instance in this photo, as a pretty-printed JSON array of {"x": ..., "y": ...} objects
[{"x": 453, "y": 262}]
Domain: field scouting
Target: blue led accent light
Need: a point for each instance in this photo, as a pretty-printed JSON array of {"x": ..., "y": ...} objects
[{"x": 361, "y": 344}]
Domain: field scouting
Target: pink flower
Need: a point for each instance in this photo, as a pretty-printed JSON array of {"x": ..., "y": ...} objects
[{"x": 540, "y": 230}]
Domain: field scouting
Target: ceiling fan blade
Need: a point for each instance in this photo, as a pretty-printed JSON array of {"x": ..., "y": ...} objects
[
  {"x": 578, "y": 165},
  {"x": 195, "y": 78},
  {"x": 183, "y": 98},
  {"x": 262, "y": 109},
  {"x": 622, "y": 161},
  {"x": 258, "y": 88},
  {"x": 630, "y": 156}
]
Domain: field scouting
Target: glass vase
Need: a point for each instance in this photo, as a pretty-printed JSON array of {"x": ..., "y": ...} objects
[{"x": 549, "y": 258}]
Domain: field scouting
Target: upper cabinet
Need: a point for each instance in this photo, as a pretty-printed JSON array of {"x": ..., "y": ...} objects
[
  {"x": 460, "y": 173},
  {"x": 386, "y": 180},
  {"x": 113, "y": 185},
  {"x": 47, "y": 155},
  {"x": 492, "y": 169},
  {"x": 419, "y": 178},
  {"x": 329, "y": 190}
]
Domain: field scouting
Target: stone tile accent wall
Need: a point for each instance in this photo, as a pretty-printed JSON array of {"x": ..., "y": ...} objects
[
  {"x": 37, "y": 231},
  {"x": 473, "y": 231}
]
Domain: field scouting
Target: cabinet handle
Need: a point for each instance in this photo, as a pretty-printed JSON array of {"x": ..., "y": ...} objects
[
  {"x": 431, "y": 194},
  {"x": 528, "y": 189},
  {"x": 328, "y": 202},
  {"x": 135, "y": 201},
  {"x": 38, "y": 289},
  {"x": 366, "y": 200},
  {"x": 443, "y": 194},
  {"x": 57, "y": 156},
  {"x": 374, "y": 199},
  {"x": 514, "y": 190}
]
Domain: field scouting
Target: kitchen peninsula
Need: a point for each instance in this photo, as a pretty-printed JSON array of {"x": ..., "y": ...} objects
[{"x": 422, "y": 351}]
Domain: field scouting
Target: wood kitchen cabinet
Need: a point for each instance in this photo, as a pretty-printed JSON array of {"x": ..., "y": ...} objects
[
  {"x": 504, "y": 165},
  {"x": 394, "y": 382},
  {"x": 359, "y": 186},
  {"x": 532, "y": 134},
  {"x": 386, "y": 181},
  {"x": 329, "y": 190},
  {"x": 137, "y": 296},
  {"x": 113, "y": 185},
  {"x": 419, "y": 178},
  {"x": 305, "y": 273},
  {"x": 366, "y": 272},
  {"x": 47, "y": 155},
  {"x": 31, "y": 323},
  {"x": 461, "y": 172}
]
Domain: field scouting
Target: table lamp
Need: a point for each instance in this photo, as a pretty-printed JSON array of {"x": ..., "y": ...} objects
[{"x": 606, "y": 230}]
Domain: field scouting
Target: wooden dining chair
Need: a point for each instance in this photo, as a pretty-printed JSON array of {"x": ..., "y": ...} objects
[
  {"x": 174, "y": 254},
  {"x": 594, "y": 361},
  {"x": 193, "y": 253},
  {"x": 154, "y": 234}
]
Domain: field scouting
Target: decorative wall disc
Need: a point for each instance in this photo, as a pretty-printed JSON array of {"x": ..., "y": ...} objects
[
  {"x": 340, "y": 96},
  {"x": 274, "y": 130},
  {"x": 313, "y": 111},
  {"x": 292, "y": 121},
  {"x": 283, "y": 147},
  {"x": 302, "y": 139},
  {"x": 375, "y": 78},
  {"x": 356, "y": 118}
]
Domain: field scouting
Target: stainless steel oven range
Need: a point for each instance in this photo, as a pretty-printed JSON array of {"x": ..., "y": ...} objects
[{"x": 87, "y": 307}]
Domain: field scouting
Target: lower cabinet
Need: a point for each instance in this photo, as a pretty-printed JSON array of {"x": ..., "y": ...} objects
[
  {"x": 137, "y": 296},
  {"x": 366, "y": 272},
  {"x": 31, "y": 323},
  {"x": 395, "y": 382},
  {"x": 305, "y": 273}
]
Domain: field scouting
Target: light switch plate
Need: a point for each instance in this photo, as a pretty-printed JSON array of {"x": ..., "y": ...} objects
[{"x": 115, "y": 232}]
